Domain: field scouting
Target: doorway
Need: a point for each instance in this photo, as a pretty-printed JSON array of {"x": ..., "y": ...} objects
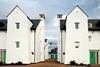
[
  {"x": 3, "y": 55},
  {"x": 94, "y": 57}
]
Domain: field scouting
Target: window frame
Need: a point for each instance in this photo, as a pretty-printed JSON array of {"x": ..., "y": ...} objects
[
  {"x": 17, "y": 44},
  {"x": 90, "y": 38},
  {"x": 77, "y": 44},
  {"x": 77, "y": 25},
  {"x": 90, "y": 25},
  {"x": 17, "y": 25}
]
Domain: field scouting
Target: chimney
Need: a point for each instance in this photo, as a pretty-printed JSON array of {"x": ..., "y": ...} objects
[
  {"x": 42, "y": 16},
  {"x": 59, "y": 16}
]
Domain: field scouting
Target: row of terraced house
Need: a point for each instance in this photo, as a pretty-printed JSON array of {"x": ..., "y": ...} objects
[{"x": 22, "y": 39}]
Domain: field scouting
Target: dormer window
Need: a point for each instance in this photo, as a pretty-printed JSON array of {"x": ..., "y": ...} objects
[
  {"x": 17, "y": 25},
  {"x": 76, "y": 25},
  {"x": 90, "y": 25}
]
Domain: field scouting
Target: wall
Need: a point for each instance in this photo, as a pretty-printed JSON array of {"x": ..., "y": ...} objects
[
  {"x": 39, "y": 47},
  {"x": 3, "y": 37},
  {"x": 22, "y": 35},
  {"x": 63, "y": 42},
  {"x": 81, "y": 54},
  {"x": 46, "y": 50},
  {"x": 59, "y": 41},
  {"x": 32, "y": 46},
  {"x": 94, "y": 42}
]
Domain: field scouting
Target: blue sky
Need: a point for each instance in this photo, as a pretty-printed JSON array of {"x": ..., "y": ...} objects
[{"x": 50, "y": 8}]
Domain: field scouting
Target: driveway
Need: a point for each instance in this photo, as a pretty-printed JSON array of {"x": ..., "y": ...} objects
[{"x": 47, "y": 63}]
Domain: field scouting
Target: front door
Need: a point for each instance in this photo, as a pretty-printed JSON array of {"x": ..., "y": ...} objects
[
  {"x": 92, "y": 57},
  {"x": 4, "y": 56}
]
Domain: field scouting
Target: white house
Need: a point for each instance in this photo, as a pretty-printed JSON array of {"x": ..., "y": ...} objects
[
  {"x": 79, "y": 38},
  {"x": 21, "y": 38}
]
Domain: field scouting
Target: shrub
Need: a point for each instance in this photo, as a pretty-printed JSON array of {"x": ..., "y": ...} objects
[
  {"x": 19, "y": 63},
  {"x": 82, "y": 64},
  {"x": 88, "y": 65},
  {"x": 1, "y": 62},
  {"x": 12, "y": 63},
  {"x": 73, "y": 62}
]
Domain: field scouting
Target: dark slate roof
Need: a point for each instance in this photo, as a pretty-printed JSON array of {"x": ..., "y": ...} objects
[
  {"x": 3, "y": 24},
  {"x": 95, "y": 24},
  {"x": 35, "y": 23},
  {"x": 63, "y": 24}
]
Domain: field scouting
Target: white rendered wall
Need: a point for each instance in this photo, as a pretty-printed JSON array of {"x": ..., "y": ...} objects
[
  {"x": 22, "y": 35},
  {"x": 3, "y": 37},
  {"x": 32, "y": 43},
  {"x": 81, "y": 54},
  {"x": 46, "y": 50},
  {"x": 39, "y": 47},
  {"x": 59, "y": 42},
  {"x": 63, "y": 42},
  {"x": 94, "y": 42}
]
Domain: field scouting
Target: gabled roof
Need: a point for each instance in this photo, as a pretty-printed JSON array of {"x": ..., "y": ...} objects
[
  {"x": 79, "y": 8},
  {"x": 62, "y": 24},
  {"x": 35, "y": 23},
  {"x": 95, "y": 24},
  {"x": 14, "y": 9}
]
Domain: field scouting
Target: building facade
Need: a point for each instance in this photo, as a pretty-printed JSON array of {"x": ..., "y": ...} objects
[
  {"x": 78, "y": 38},
  {"x": 22, "y": 38}
]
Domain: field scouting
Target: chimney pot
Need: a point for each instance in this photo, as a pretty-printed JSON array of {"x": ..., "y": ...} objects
[
  {"x": 42, "y": 16},
  {"x": 59, "y": 16}
]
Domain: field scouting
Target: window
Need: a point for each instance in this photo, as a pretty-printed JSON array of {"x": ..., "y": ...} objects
[
  {"x": 76, "y": 25},
  {"x": 17, "y": 25},
  {"x": 90, "y": 25},
  {"x": 90, "y": 37},
  {"x": 77, "y": 44},
  {"x": 17, "y": 44}
]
